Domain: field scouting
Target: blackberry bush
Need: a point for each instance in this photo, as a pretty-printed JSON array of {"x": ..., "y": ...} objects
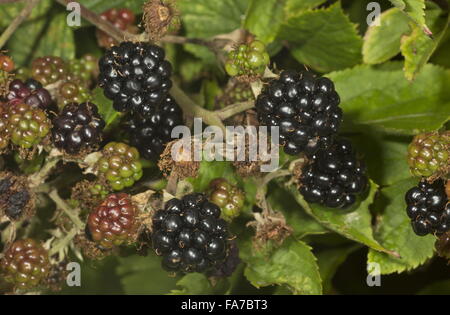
[
  {"x": 78, "y": 128},
  {"x": 428, "y": 208},
  {"x": 25, "y": 264},
  {"x": 135, "y": 76},
  {"x": 120, "y": 165},
  {"x": 113, "y": 222},
  {"x": 429, "y": 154},
  {"x": 334, "y": 176},
  {"x": 150, "y": 134},
  {"x": 29, "y": 92},
  {"x": 189, "y": 234},
  {"x": 305, "y": 109}
]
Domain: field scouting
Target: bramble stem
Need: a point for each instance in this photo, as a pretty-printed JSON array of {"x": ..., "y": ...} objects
[
  {"x": 61, "y": 204},
  {"x": 234, "y": 109},
  {"x": 17, "y": 21}
]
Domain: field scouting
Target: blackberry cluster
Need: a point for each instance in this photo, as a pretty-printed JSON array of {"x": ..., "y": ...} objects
[
  {"x": 77, "y": 128},
  {"x": 334, "y": 176},
  {"x": 428, "y": 208},
  {"x": 251, "y": 59},
  {"x": 48, "y": 69},
  {"x": 28, "y": 126},
  {"x": 429, "y": 154},
  {"x": 16, "y": 200},
  {"x": 120, "y": 165},
  {"x": 150, "y": 134},
  {"x": 5, "y": 135},
  {"x": 229, "y": 198},
  {"x": 29, "y": 92},
  {"x": 189, "y": 234},
  {"x": 25, "y": 264},
  {"x": 135, "y": 76},
  {"x": 113, "y": 222},
  {"x": 305, "y": 109},
  {"x": 123, "y": 19}
]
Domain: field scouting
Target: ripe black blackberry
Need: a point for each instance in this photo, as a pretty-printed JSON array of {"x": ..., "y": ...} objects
[
  {"x": 135, "y": 76},
  {"x": 334, "y": 176},
  {"x": 304, "y": 107},
  {"x": 189, "y": 234},
  {"x": 29, "y": 92},
  {"x": 78, "y": 127},
  {"x": 150, "y": 134},
  {"x": 428, "y": 208}
]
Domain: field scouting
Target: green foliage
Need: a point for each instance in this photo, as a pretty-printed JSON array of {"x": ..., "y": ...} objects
[{"x": 312, "y": 33}]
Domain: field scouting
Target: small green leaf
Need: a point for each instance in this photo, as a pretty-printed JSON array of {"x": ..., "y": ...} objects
[
  {"x": 385, "y": 156},
  {"x": 418, "y": 47},
  {"x": 292, "y": 265},
  {"x": 42, "y": 36},
  {"x": 382, "y": 42},
  {"x": 207, "y": 18},
  {"x": 312, "y": 33},
  {"x": 302, "y": 223},
  {"x": 414, "y": 9},
  {"x": 382, "y": 98},
  {"x": 395, "y": 232},
  {"x": 262, "y": 13},
  {"x": 329, "y": 261},
  {"x": 144, "y": 275},
  {"x": 355, "y": 225},
  {"x": 293, "y": 7},
  {"x": 105, "y": 108},
  {"x": 198, "y": 284}
]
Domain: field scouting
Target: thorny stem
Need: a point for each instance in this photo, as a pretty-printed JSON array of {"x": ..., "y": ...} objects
[
  {"x": 39, "y": 178},
  {"x": 62, "y": 243},
  {"x": 17, "y": 21},
  {"x": 261, "y": 191},
  {"x": 61, "y": 204}
]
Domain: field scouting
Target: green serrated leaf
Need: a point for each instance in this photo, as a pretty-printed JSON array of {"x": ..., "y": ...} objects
[
  {"x": 144, "y": 275},
  {"x": 329, "y": 261},
  {"x": 418, "y": 47},
  {"x": 292, "y": 265},
  {"x": 105, "y": 108},
  {"x": 355, "y": 225},
  {"x": 312, "y": 33},
  {"x": 382, "y": 42},
  {"x": 394, "y": 231},
  {"x": 302, "y": 223},
  {"x": 262, "y": 13},
  {"x": 382, "y": 98},
  {"x": 414, "y": 9},
  {"x": 207, "y": 18},
  {"x": 385, "y": 156},
  {"x": 294, "y": 7},
  {"x": 45, "y": 34}
]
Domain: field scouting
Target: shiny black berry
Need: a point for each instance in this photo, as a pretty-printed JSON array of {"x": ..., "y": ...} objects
[
  {"x": 428, "y": 208},
  {"x": 304, "y": 107},
  {"x": 135, "y": 76},
  {"x": 189, "y": 234},
  {"x": 78, "y": 128},
  {"x": 334, "y": 176},
  {"x": 150, "y": 133}
]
